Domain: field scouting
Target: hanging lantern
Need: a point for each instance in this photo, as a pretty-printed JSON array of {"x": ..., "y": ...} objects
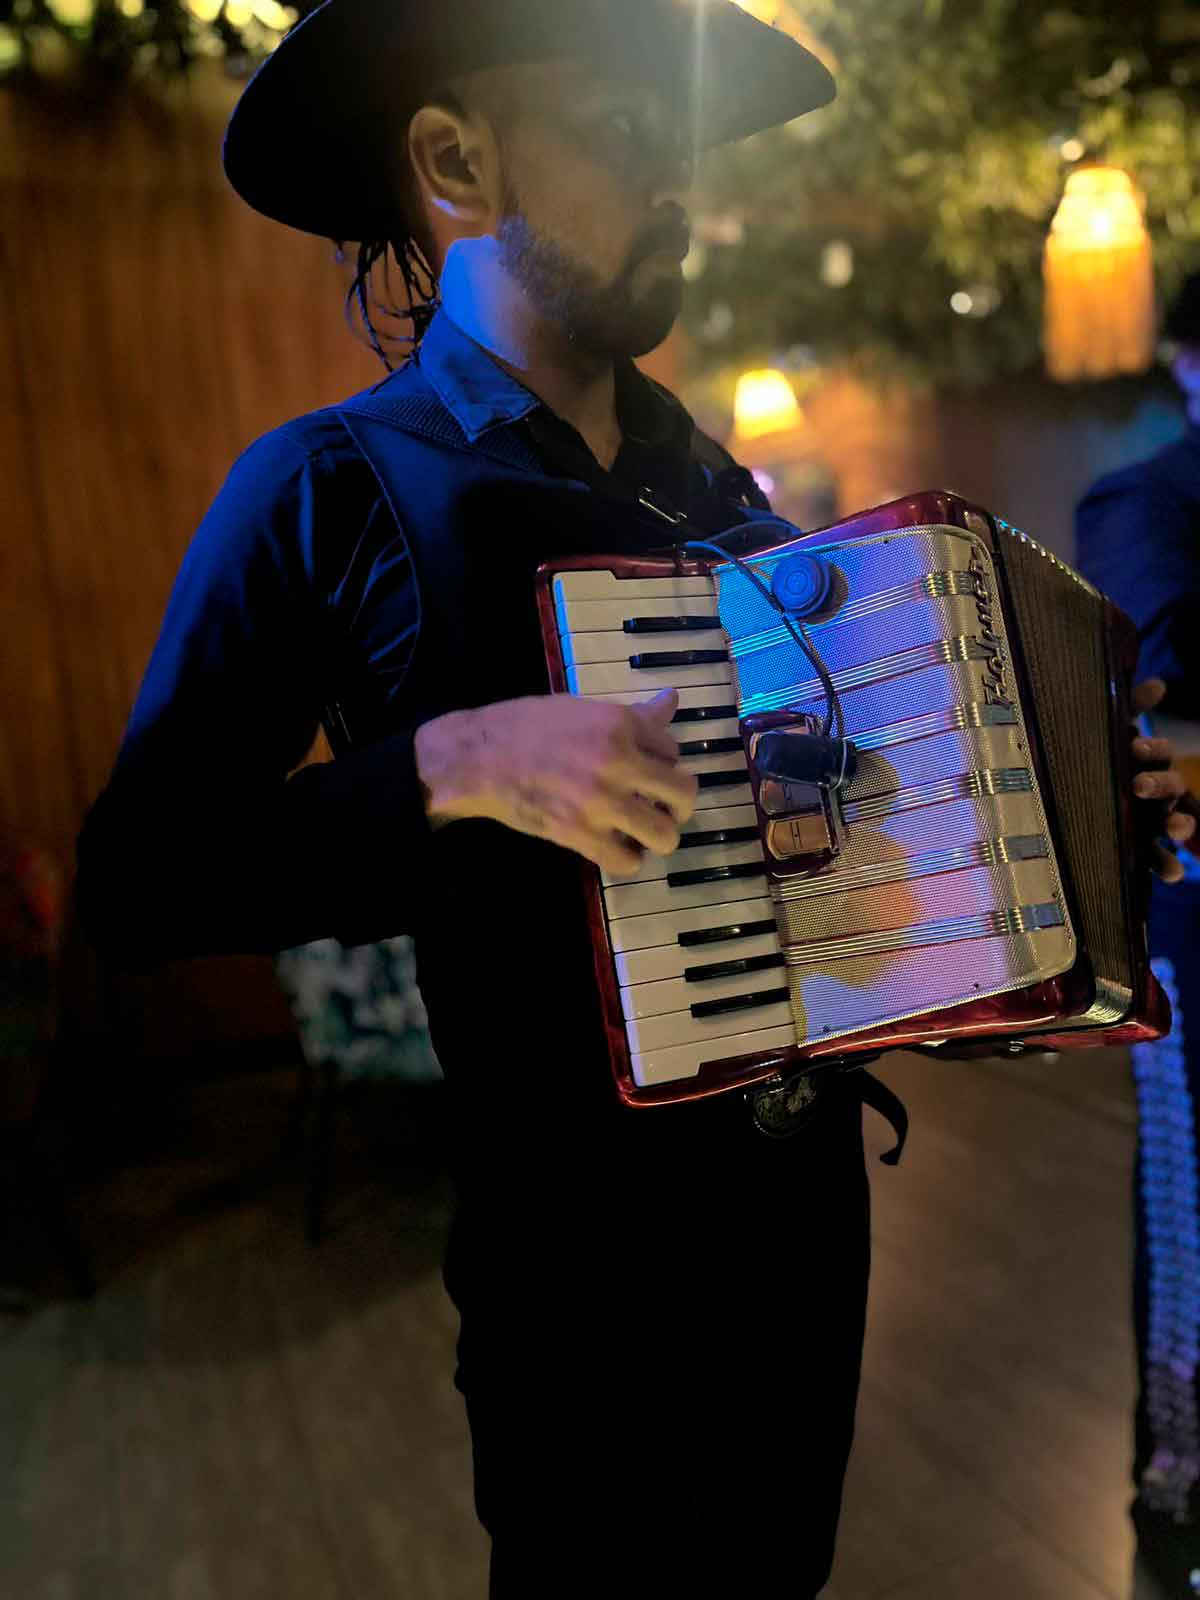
[
  {"x": 1100, "y": 313},
  {"x": 764, "y": 402}
]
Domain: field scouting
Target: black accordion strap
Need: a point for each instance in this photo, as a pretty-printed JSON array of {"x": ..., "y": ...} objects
[{"x": 890, "y": 1107}]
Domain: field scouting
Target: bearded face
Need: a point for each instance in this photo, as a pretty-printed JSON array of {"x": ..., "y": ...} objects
[
  {"x": 628, "y": 314},
  {"x": 594, "y": 230}
]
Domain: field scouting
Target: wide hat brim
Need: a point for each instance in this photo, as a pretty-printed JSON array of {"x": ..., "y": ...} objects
[{"x": 312, "y": 140}]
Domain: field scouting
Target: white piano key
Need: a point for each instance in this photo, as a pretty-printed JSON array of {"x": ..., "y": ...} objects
[
  {"x": 673, "y": 995},
  {"x": 701, "y": 860},
  {"x": 691, "y": 732},
  {"x": 735, "y": 795},
  {"x": 598, "y": 616},
  {"x": 689, "y": 700},
  {"x": 673, "y": 960},
  {"x": 644, "y": 682},
  {"x": 680, "y": 1027},
  {"x": 720, "y": 817},
  {"x": 648, "y": 932},
  {"x": 677, "y": 1063},
  {"x": 570, "y": 586},
  {"x": 643, "y": 899},
  {"x": 734, "y": 761},
  {"x": 585, "y": 649}
]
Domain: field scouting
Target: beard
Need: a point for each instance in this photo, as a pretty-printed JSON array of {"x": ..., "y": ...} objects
[{"x": 609, "y": 320}]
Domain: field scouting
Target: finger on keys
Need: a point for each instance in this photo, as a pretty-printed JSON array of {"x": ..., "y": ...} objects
[
  {"x": 1181, "y": 827},
  {"x": 611, "y": 851},
  {"x": 1147, "y": 695},
  {"x": 1154, "y": 752},
  {"x": 652, "y": 720},
  {"x": 647, "y": 824},
  {"x": 1168, "y": 867},
  {"x": 1169, "y": 785},
  {"x": 655, "y": 778},
  {"x": 661, "y": 707}
]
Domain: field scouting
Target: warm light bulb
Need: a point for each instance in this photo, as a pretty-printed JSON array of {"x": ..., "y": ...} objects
[
  {"x": 764, "y": 402},
  {"x": 1099, "y": 209}
]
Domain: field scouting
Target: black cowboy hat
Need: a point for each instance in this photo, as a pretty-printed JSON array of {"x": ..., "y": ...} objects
[{"x": 311, "y": 141}]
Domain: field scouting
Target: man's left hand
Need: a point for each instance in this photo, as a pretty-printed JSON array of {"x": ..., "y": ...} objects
[{"x": 1169, "y": 807}]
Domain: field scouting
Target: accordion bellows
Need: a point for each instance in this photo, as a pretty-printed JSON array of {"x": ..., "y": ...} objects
[{"x": 988, "y": 886}]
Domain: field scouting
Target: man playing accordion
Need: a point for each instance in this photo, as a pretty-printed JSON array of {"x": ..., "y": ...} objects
[{"x": 661, "y": 1312}]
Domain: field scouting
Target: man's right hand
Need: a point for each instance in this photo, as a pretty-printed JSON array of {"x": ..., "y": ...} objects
[{"x": 603, "y": 780}]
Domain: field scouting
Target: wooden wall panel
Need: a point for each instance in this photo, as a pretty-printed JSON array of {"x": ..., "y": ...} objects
[{"x": 151, "y": 326}]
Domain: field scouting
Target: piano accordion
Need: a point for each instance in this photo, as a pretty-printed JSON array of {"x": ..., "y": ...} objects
[{"x": 989, "y": 883}]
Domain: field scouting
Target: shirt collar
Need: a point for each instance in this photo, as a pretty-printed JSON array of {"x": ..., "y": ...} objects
[
  {"x": 476, "y": 390},
  {"x": 480, "y": 395}
]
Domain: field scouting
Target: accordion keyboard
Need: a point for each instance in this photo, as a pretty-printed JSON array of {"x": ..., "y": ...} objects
[{"x": 698, "y": 957}]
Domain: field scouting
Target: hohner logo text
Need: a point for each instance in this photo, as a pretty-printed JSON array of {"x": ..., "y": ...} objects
[{"x": 995, "y": 673}]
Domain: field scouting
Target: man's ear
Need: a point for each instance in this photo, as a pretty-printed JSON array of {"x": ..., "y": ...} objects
[{"x": 454, "y": 161}]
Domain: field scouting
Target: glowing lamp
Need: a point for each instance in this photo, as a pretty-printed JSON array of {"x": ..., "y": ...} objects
[
  {"x": 1099, "y": 276},
  {"x": 764, "y": 402}
]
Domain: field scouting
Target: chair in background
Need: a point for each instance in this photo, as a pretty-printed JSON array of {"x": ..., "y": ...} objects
[{"x": 360, "y": 1019}]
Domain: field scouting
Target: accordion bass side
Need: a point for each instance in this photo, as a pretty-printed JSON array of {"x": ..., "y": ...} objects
[{"x": 988, "y": 883}]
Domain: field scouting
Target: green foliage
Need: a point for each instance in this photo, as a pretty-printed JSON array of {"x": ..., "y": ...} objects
[
  {"x": 941, "y": 165},
  {"x": 105, "y": 44}
]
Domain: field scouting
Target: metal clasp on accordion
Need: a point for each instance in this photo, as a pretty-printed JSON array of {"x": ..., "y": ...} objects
[{"x": 796, "y": 777}]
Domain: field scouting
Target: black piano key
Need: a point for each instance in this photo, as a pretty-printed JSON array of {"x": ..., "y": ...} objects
[
  {"x": 688, "y": 880},
  {"x": 732, "y": 930},
  {"x": 677, "y": 658},
  {"x": 671, "y": 624},
  {"x": 705, "y": 714},
  {"x": 711, "y": 747},
  {"x": 723, "y": 780},
  {"x": 739, "y": 1002},
  {"x": 699, "y": 841},
  {"x": 732, "y": 969}
]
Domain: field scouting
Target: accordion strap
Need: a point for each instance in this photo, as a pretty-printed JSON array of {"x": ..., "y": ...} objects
[{"x": 876, "y": 1094}]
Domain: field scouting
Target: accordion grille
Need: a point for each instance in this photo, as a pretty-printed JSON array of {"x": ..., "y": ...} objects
[{"x": 1059, "y": 620}]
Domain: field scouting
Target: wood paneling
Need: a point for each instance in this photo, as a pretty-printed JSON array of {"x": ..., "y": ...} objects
[{"x": 151, "y": 326}]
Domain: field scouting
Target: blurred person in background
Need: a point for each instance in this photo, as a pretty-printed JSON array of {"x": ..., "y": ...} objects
[{"x": 1138, "y": 536}]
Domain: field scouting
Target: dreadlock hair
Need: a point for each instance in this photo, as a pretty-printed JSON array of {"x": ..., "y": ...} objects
[{"x": 370, "y": 295}]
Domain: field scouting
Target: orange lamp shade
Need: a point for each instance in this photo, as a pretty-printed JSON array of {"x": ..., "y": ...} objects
[{"x": 1099, "y": 279}]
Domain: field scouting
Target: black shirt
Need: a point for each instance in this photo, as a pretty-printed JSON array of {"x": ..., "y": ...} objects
[{"x": 298, "y": 594}]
